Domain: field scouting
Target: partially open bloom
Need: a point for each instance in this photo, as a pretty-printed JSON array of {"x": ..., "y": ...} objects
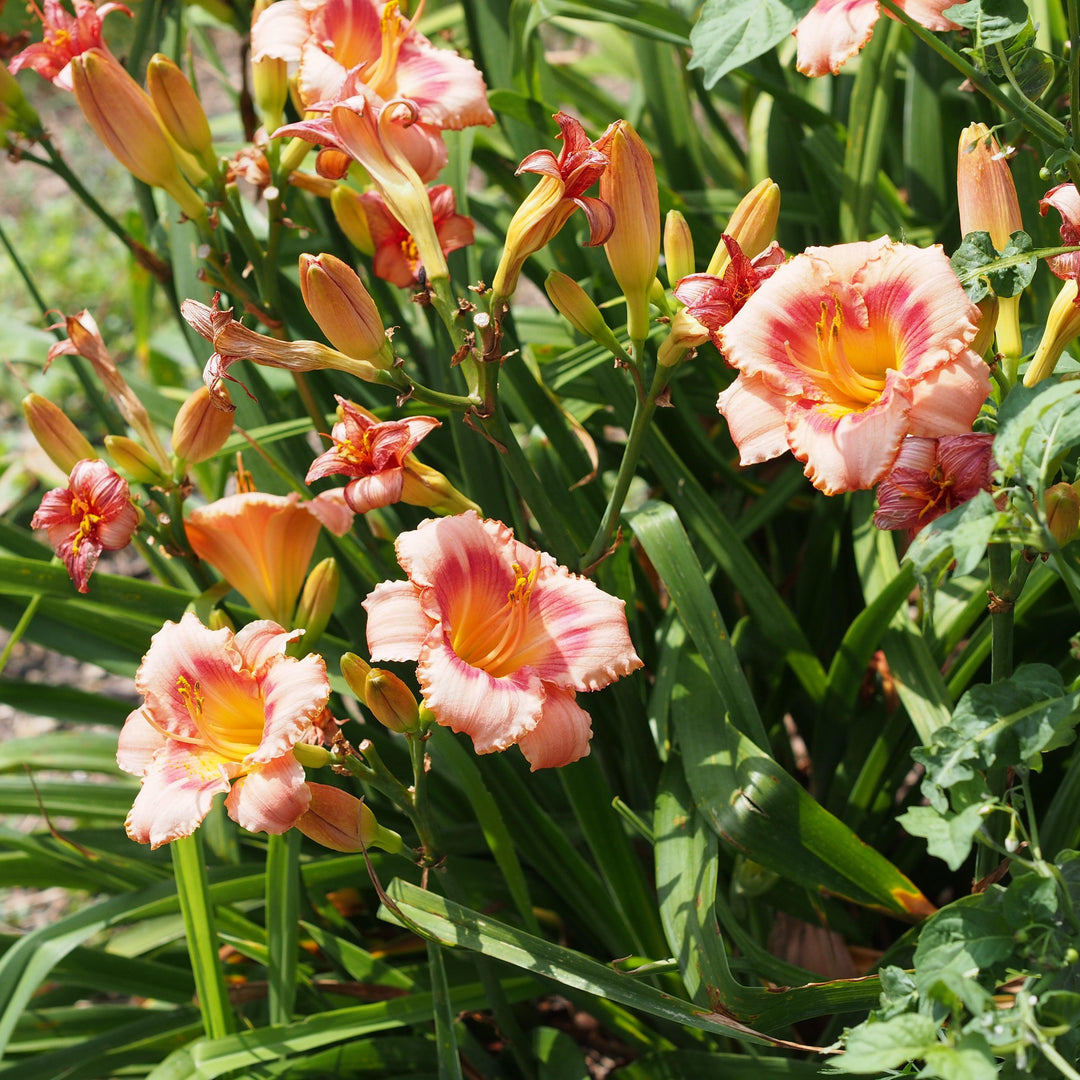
[
  {"x": 371, "y": 452},
  {"x": 397, "y": 258},
  {"x": 835, "y": 30},
  {"x": 752, "y": 225},
  {"x": 94, "y": 513},
  {"x": 846, "y": 350},
  {"x": 261, "y": 544},
  {"x": 221, "y": 713},
  {"x": 371, "y": 42},
  {"x": 930, "y": 477},
  {"x": 342, "y": 822},
  {"x": 1066, "y": 201},
  {"x": 201, "y": 428},
  {"x": 1062, "y": 505},
  {"x": 343, "y": 308},
  {"x": 504, "y": 637},
  {"x": 1062, "y": 328},
  {"x": 547, "y": 208},
  {"x": 65, "y": 37}
]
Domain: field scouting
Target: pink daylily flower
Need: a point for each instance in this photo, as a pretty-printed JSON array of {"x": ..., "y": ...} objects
[
  {"x": 65, "y": 37},
  {"x": 504, "y": 637},
  {"x": 94, "y": 513},
  {"x": 262, "y": 544},
  {"x": 373, "y": 453},
  {"x": 397, "y": 259},
  {"x": 833, "y": 31},
  {"x": 933, "y": 476},
  {"x": 714, "y": 301},
  {"x": 847, "y": 350},
  {"x": 1066, "y": 201},
  {"x": 221, "y": 713}
]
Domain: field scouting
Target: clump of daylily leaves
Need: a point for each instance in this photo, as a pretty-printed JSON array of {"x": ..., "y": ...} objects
[{"x": 879, "y": 365}]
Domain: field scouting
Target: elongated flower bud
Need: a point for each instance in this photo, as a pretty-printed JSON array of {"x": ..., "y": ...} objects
[
  {"x": 341, "y": 822},
  {"x": 346, "y": 314},
  {"x": 989, "y": 306},
  {"x": 427, "y": 487},
  {"x": 122, "y": 115},
  {"x": 16, "y": 113},
  {"x": 354, "y": 670},
  {"x": 628, "y": 186},
  {"x": 577, "y": 307},
  {"x": 391, "y": 702},
  {"x": 678, "y": 248},
  {"x": 180, "y": 110},
  {"x": 752, "y": 225},
  {"x": 134, "y": 461},
  {"x": 686, "y": 333},
  {"x": 317, "y": 601},
  {"x": 352, "y": 218},
  {"x": 201, "y": 428},
  {"x": 1062, "y": 326},
  {"x": 1062, "y": 512},
  {"x": 55, "y": 433}
]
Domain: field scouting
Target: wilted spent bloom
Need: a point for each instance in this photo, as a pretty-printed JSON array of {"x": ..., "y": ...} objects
[
  {"x": 134, "y": 461},
  {"x": 201, "y": 427},
  {"x": 752, "y": 226},
  {"x": 64, "y": 443},
  {"x": 930, "y": 477},
  {"x": 179, "y": 109},
  {"x": 546, "y": 209},
  {"x": 341, "y": 822},
  {"x": 344, "y": 310},
  {"x": 628, "y": 185},
  {"x": 1062, "y": 505},
  {"x": 575, "y": 305},
  {"x": 1062, "y": 327},
  {"x": 94, "y": 513}
]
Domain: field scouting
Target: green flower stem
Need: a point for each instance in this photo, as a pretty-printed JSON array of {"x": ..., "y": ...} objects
[
  {"x": 1074, "y": 82},
  {"x": 643, "y": 412},
  {"x": 193, "y": 892},
  {"x": 282, "y": 922},
  {"x": 420, "y": 815},
  {"x": 1001, "y": 612},
  {"x": 1036, "y": 120},
  {"x": 25, "y": 619}
]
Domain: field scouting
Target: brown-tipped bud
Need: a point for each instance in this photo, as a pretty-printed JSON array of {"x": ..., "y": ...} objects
[
  {"x": 346, "y": 314},
  {"x": 678, "y": 248},
  {"x": 628, "y": 186},
  {"x": 988, "y": 306},
  {"x": 427, "y": 487},
  {"x": 55, "y": 433},
  {"x": 752, "y": 226},
  {"x": 1062, "y": 326},
  {"x": 201, "y": 428},
  {"x": 352, "y": 219},
  {"x": 341, "y": 822},
  {"x": 317, "y": 600},
  {"x": 686, "y": 333},
  {"x": 577, "y": 307},
  {"x": 123, "y": 117},
  {"x": 354, "y": 671},
  {"x": 134, "y": 461},
  {"x": 391, "y": 702},
  {"x": 180, "y": 110},
  {"x": 1062, "y": 505}
]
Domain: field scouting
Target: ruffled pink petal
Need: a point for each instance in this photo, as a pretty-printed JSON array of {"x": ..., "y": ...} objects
[
  {"x": 176, "y": 794},
  {"x": 295, "y": 692},
  {"x": 447, "y": 88},
  {"x": 352, "y": 25},
  {"x": 320, "y": 77},
  {"x": 561, "y": 736},
  {"x": 139, "y": 742},
  {"x": 757, "y": 419},
  {"x": 460, "y": 555},
  {"x": 832, "y": 32},
  {"x": 260, "y": 642},
  {"x": 494, "y": 712},
  {"x": 270, "y": 799},
  {"x": 397, "y": 626},
  {"x": 370, "y": 492},
  {"x": 331, "y": 509},
  {"x": 928, "y": 13},
  {"x": 279, "y": 32},
  {"x": 947, "y": 401},
  {"x": 847, "y": 451}
]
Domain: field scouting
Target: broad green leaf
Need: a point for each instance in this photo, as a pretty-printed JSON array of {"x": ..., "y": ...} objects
[
  {"x": 282, "y": 922},
  {"x": 559, "y": 1056},
  {"x": 731, "y": 33},
  {"x": 948, "y": 836},
  {"x": 970, "y": 1058},
  {"x": 991, "y": 20},
  {"x": 697, "y": 1064},
  {"x": 358, "y": 963},
  {"x": 982, "y": 269},
  {"x": 961, "y": 534},
  {"x": 1036, "y": 428},
  {"x": 878, "y": 1045},
  {"x": 758, "y": 808},
  {"x": 61, "y": 750},
  {"x": 64, "y": 703}
]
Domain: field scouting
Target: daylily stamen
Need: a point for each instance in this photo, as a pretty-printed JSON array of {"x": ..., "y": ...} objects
[{"x": 477, "y": 647}]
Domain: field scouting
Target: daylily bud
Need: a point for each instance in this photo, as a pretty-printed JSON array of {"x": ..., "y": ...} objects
[
  {"x": 752, "y": 225},
  {"x": 346, "y": 314},
  {"x": 180, "y": 110},
  {"x": 134, "y": 461},
  {"x": 341, "y": 822},
  {"x": 989, "y": 306},
  {"x": 311, "y": 756},
  {"x": 352, "y": 219},
  {"x": 1062, "y": 326},
  {"x": 628, "y": 186},
  {"x": 270, "y": 90},
  {"x": 354, "y": 671},
  {"x": 988, "y": 203},
  {"x": 219, "y": 620},
  {"x": 686, "y": 333},
  {"x": 122, "y": 115},
  {"x": 427, "y": 487},
  {"x": 317, "y": 601},
  {"x": 16, "y": 113},
  {"x": 577, "y": 307},
  {"x": 201, "y": 427},
  {"x": 391, "y": 702},
  {"x": 1062, "y": 505},
  {"x": 678, "y": 247},
  {"x": 55, "y": 433}
]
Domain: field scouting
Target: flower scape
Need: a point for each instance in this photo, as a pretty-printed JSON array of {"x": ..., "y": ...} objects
[{"x": 560, "y": 527}]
